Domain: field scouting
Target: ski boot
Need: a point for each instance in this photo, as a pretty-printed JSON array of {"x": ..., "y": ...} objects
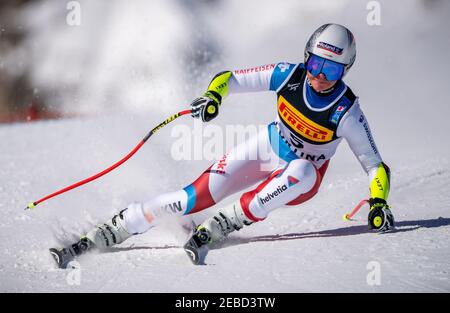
[
  {"x": 110, "y": 233},
  {"x": 380, "y": 217},
  {"x": 102, "y": 237},
  {"x": 213, "y": 230},
  {"x": 195, "y": 247}
]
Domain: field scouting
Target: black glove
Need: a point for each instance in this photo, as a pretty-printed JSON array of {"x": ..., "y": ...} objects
[
  {"x": 206, "y": 107},
  {"x": 380, "y": 216}
]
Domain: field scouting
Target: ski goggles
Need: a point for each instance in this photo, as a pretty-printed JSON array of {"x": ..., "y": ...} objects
[{"x": 332, "y": 70}]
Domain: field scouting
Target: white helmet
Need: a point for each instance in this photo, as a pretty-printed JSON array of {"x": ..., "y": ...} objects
[{"x": 332, "y": 42}]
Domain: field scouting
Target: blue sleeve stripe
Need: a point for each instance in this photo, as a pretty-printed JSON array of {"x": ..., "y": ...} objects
[
  {"x": 279, "y": 75},
  {"x": 281, "y": 72},
  {"x": 190, "y": 190}
]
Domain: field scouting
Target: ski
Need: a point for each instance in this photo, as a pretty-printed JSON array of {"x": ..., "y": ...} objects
[
  {"x": 192, "y": 253},
  {"x": 197, "y": 246},
  {"x": 63, "y": 256}
]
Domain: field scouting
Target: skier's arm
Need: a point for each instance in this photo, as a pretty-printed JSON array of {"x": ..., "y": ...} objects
[
  {"x": 354, "y": 127},
  {"x": 206, "y": 107},
  {"x": 260, "y": 78}
]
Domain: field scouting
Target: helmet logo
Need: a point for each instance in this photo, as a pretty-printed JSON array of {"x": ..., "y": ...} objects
[{"x": 329, "y": 47}]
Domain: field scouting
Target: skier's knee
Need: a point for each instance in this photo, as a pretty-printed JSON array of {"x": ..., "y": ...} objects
[
  {"x": 304, "y": 171},
  {"x": 310, "y": 184},
  {"x": 302, "y": 168}
]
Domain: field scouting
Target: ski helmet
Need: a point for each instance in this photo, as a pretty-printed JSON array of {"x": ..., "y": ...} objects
[{"x": 332, "y": 42}]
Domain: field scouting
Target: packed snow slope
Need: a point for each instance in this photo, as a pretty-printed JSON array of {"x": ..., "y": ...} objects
[
  {"x": 304, "y": 248},
  {"x": 296, "y": 249}
]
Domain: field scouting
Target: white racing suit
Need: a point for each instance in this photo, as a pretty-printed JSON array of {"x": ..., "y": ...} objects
[{"x": 288, "y": 159}]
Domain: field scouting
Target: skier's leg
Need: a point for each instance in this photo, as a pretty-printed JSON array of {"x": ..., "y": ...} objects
[
  {"x": 306, "y": 196},
  {"x": 298, "y": 182},
  {"x": 236, "y": 215},
  {"x": 245, "y": 165},
  {"x": 101, "y": 237},
  {"x": 295, "y": 184},
  {"x": 111, "y": 232}
]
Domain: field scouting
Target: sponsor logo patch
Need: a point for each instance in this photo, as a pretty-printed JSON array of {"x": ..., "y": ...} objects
[
  {"x": 221, "y": 166},
  {"x": 301, "y": 124},
  {"x": 329, "y": 47},
  {"x": 255, "y": 69},
  {"x": 172, "y": 207},
  {"x": 163, "y": 210},
  {"x": 293, "y": 86},
  {"x": 283, "y": 67},
  {"x": 370, "y": 138},
  {"x": 274, "y": 194},
  {"x": 336, "y": 116},
  {"x": 292, "y": 181}
]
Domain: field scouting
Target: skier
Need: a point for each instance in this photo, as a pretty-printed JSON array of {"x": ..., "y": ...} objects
[{"x": 316, "y": 110}]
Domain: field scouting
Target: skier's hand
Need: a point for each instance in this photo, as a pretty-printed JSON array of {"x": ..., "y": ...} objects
[
  {"x": 380, "y": 216},
  {"x": 206, "y": 107}
]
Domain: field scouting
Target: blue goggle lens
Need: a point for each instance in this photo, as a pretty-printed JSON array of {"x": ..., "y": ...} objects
[{"x": 332, "y": 70}]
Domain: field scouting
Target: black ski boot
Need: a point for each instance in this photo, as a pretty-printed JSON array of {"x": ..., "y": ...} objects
[
  {"x": 196, "y": 246},
  {"x": 215, "y": 229},
  {"x": 66, "y": 255}
]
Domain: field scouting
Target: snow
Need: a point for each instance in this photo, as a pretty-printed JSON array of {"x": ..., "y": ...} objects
[{"x": 308, "y": 248}]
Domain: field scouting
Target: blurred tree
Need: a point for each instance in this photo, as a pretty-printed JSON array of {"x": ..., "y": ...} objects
[
  {"x": 18, "y": 99},
  {"x": 203, "y": 47},
  {"x": 432, "y": 4}
]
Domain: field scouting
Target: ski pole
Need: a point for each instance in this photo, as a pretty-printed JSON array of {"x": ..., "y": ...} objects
[
  {"x": 112, "y": 167},
  {"x": 348, "y": 216}
]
